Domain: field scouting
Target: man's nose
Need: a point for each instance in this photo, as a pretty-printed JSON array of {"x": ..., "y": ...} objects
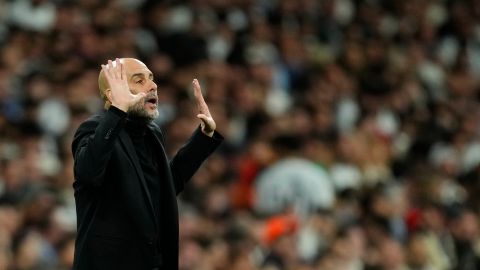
[{"x": 152, "y": 86}]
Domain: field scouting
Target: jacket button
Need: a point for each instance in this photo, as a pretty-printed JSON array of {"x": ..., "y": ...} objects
[{"x": 107, "y": 136}]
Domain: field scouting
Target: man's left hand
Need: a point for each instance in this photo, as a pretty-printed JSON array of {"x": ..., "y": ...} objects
[{"x": 207, "y": 124}]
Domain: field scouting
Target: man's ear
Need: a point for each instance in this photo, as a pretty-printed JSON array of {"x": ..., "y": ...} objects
[{"x": 108, "y": 94}]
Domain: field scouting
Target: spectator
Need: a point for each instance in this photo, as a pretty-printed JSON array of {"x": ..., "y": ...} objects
[
  {"x": 381, "y": 97},
  {"x": 292, "y": 182}
]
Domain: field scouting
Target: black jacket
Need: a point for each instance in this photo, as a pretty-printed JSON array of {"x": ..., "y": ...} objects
[{"x": 116, "y": 225}]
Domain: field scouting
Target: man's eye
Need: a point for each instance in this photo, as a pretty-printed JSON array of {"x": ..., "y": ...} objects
[{"x": 139, "y": 81}]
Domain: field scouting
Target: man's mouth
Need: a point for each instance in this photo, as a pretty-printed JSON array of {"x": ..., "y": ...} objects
[{"x": 151, "y": 100}]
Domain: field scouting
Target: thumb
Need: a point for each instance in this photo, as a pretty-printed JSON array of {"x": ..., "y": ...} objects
[
  {"x": 205, "y": 118},
  {"x": 202, "y": 117},
  {"x": 139, "y": 96},
  {"x": 207, "y": 122}
]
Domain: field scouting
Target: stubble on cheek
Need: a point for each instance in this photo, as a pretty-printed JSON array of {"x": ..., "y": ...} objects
[{"x": 138, "y": 110}]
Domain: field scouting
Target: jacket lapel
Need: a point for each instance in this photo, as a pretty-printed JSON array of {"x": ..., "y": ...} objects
[{"x": 128, "y": 145}]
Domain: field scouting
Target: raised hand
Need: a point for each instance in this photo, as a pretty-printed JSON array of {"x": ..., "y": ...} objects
[
  {"x": 207, "y": 123},
  {"x": 120, "y": 95}
]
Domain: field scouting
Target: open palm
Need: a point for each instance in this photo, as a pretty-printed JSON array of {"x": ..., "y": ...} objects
[
  {"x": 208, "y": 124},
  {"x": 120, "y": 95}
]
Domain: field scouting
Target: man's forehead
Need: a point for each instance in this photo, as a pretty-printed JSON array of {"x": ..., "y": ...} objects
[
  {"x": 138, "y": 71},
  {"x": 134, "y": 66}
]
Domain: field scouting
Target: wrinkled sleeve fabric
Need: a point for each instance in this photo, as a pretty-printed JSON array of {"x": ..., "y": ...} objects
[
  {"x": 92, "y": 145},
  {"x": 191, "y": 156}
]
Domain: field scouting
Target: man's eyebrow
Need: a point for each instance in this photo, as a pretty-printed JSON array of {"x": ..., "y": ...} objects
[{"x": 141, "y": 74}]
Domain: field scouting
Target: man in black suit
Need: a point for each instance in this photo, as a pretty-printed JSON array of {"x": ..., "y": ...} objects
[{"x": 125, "y": 187}]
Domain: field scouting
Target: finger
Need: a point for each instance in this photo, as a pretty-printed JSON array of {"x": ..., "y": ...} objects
[
  {"x": 203, "y": 117},
  {"x": 118, "y": 68},
  {"x": 200, "y": 101},
  {"x": 197, "y": 89},
  {"x": 203, "y": 109},
  {"x": 197, "y": 92},
  {"x": 207, "y": 122},
  {"x": 115, "y": 69},
  {"x": 123, "y": 76},
  {"x": 111, "y": 69},
  {"x": 108, "y": 68},
  {"x": 106, "y": 72},
  {"x": 139, "y": 96},
  {"x": 104, "y": 69}
]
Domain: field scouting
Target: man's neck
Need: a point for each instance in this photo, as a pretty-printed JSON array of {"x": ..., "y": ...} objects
[{"x": 140, "y": 120}]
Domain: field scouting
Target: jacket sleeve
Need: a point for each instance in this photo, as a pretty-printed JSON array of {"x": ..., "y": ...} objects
[
  {"x": 189, "y": 158},
  {"x": 92, "y": 145}
]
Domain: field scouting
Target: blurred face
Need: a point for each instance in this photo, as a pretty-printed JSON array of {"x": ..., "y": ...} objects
[
  {"x": 465, "y": 227},
  {"x": 140, "y": 79},
  {"x": 392, "y": 254},
  {"x": 417, "y": 252}
]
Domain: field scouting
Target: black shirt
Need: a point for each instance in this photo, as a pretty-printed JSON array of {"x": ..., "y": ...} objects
[{"x": 147, "y": 157}]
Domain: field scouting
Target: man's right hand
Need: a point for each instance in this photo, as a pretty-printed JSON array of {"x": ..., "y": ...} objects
[{"x": 119, "y": 92}]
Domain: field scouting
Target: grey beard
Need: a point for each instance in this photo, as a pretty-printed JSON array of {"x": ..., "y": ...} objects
[{"x": 138, "y": 110}]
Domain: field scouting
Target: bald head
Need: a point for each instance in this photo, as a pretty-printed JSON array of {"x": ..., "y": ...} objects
[{"x": 130, "y": 64}]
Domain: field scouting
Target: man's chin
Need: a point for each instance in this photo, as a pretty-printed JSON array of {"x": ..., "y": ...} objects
[
  {"x": 143, "y": 115},
  {"x": 152, "y": 113}
]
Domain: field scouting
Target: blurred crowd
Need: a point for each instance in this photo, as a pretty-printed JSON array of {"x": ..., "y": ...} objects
[{"x": 352, "y": 127}]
